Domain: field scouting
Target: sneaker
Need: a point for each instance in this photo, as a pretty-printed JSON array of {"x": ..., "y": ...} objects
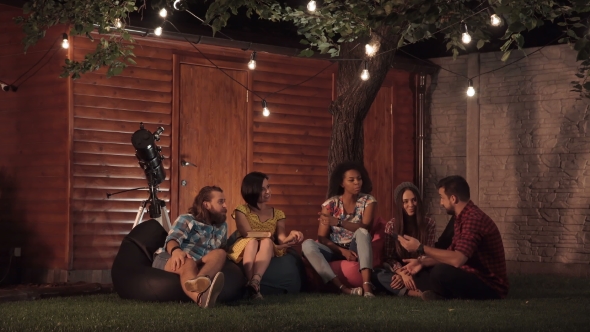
[
  {"x": 207, "y": 299},
  {"x": 431, "y": 296},
  {"x": 198, "y": 284}
]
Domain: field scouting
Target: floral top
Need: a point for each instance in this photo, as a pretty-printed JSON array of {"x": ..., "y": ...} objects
[
  {"x": 194, "y": 237},
  {"x": 340, "y": 235}
]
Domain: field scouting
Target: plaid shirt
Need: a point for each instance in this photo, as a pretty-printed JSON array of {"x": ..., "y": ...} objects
[
  {"x": 391, "y": 257},
  {"x": 194, "y": 237},
  {"x": 478, "y": 238}
]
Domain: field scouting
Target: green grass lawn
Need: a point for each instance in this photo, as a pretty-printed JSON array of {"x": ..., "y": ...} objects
[{"x": 535, "y": 303}]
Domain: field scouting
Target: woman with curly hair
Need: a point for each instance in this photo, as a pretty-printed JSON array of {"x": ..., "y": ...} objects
[{"x": 343, "y": 233}]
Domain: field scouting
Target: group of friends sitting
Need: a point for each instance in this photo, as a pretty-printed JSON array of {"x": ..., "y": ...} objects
[{"x": 470, "y": 265}]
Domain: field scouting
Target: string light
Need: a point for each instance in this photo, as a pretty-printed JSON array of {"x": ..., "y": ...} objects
[
  {"x": 175, "y": 5},
  {"x": 370, "y": 50},
  {"x": 118, "y": 23},
  {"x": 311, "y": 6},
  {"x": 470, "y": 89},
  {"x": 252, "y": 62},
  {"x": 495, "y": 20},
  {"x": 158, "y": 31},
  {"x": 265, "y": 110},
  {"x": 65, "y": 43},
  {"x": 466, "y": 37},
  {"x": 163, "y": 12},
  {"x": 365, "y": 74}
]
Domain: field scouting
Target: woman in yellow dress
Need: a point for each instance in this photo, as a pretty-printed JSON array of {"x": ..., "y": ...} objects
[{"x": 256, "y": 215}]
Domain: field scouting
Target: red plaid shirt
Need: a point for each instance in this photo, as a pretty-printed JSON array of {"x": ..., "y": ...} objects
[
  {"x": 478, "y": 238},
  {"x": 390, "y": 253}
]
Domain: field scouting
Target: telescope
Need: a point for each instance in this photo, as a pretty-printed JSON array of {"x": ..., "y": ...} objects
[{"x": 148, "y": 154}]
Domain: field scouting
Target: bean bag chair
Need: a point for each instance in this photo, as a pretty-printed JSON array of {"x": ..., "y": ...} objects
[
  {"x": 348, "y": 272},
  {"x": 134, "y": 278},
  {"x": 283, "y": 275}
]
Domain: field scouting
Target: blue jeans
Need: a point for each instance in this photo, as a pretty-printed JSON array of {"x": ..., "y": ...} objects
[
  {"x": 382, "y": 281},
  {"x": 319, "y": 255}
]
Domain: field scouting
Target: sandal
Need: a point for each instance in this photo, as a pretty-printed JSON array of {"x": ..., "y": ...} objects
[
  {"x": 254, "y": 288},
  {"x": 354, "y": 291},
  {"x": 369, "y": 294}
]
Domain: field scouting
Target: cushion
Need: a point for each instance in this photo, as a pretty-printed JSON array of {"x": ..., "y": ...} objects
[{"x": 134, "y": 278}]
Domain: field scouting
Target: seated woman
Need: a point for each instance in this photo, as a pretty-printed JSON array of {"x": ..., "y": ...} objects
[
  {"x": 409, "y": 220},
  {"x": 256, "y": 215},
  {"x": 343, "y": 231}
]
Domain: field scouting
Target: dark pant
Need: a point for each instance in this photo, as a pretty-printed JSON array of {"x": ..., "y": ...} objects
[{"x": 453, "y": 283}]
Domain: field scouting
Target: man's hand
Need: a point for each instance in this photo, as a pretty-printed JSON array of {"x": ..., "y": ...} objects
[
  {"x": 413, "y": 266},
  {"x": 409, "y": 243},
  {"x": 397, "y": 282},
  {"x": 177, "y": 258},
  {"x": 349, "y": 255}
]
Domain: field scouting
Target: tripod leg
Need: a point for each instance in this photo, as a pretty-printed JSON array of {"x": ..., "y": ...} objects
[
  {"x": 140, "y": 214},
  {"x": 165, "y": 219}
]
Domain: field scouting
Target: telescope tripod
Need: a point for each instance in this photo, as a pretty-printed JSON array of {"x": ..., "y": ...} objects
[{"x": 158, "y": 212}]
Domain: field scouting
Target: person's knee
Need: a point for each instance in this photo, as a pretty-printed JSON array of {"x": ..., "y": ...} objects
[
  {"x": 362, "y": 234},
  {"x": 441, "y": 272},
  {"x": 217, "y": 254},
  {"x": 308, "y": 246},
  {"x": 266, "y": 244}
]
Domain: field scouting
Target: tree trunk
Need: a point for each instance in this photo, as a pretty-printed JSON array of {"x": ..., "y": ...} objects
[{"x": 355, "y": 96}]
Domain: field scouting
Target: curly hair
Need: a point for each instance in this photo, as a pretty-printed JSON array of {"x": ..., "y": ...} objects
[{"x": 335, "y": 186}]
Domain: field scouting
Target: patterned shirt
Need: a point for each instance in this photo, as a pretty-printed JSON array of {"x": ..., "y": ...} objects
[
  {"x": 478, "y": 238},
  {"x": 340, "y": 235},
  {"x": 391, "y": 257},
  {"x": 194, "y": 237}
]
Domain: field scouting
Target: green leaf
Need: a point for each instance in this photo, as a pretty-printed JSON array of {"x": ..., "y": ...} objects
[
  {"x": 505, "y": 56},
  {"x": 583, "y": 55},
  {"x": 578, "y": 25},
  {"x": 502, "y": 10},
  {"x": 480, "y": 43},
  {"x": 519, "y": 40},
  {"x": 304, "y": 41},
  {"x": 531, "y": 23},
  {"x": 581, "y": 44},
  {"x": 573, "y": 19},
  {"x": 572, "y": 34},
  {"x": 516, "y": 27},
  {"x": 306, "y": 53}
]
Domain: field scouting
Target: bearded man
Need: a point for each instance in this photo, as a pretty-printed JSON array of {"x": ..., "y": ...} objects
[{"x": 193, "y": 247}]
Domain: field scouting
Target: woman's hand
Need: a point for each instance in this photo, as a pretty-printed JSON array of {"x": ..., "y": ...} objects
[
  {"x": 408, "y": 281},
  {"x": 295, "y": 237},
  {"x": 327, "y": 219},
  {"x": 397, "y": 282},
  {"x": 349, "y": 255}
]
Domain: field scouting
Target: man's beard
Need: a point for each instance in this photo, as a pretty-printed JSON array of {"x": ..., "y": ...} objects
[
  {"x": 217, "y": 218},
  {"x": 450, "y": 212}
]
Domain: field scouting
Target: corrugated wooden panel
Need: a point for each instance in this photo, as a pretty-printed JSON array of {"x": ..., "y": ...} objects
[
  {"x": 291, "y": 145},
  {"x": 107, "y": 111},
  {"x": 34, "y": 162}
]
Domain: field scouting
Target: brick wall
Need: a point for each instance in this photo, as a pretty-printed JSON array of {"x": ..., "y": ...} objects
[{"x": 534, "y": 149}]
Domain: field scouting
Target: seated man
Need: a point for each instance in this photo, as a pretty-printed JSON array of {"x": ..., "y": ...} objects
[
  {"x": 192, "y": 247},
  {"x": 474, "y": 265}
]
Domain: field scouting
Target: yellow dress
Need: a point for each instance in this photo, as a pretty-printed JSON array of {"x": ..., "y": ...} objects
[{"x": 270, "y": 225}]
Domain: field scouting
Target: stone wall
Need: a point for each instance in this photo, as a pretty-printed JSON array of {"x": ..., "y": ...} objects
[{"x": 533, "y": 158}]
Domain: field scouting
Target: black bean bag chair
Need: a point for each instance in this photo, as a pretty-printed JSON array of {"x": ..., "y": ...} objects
[{"x": 134, "y": 278}]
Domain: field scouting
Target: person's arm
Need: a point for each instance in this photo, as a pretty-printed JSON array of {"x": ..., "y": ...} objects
[
  {"x": 389, "y": 246},
  {"x": 366, "y": 222},
  {"x": 178, "y": 233},
  {"x": 242, "y": 223},
  {"x": 282, "y": 237},
  {"x": 451, "y": 257},
  {"x": 324, "y": 232}
]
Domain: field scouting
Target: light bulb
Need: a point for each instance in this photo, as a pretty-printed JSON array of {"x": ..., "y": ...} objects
[
  {"x": 265, "y": 110},
  {"x": 466, "y": 38},
  {"x": 65, "y": 43},
  {"x": 311, "y": 6},
  {"x": 370, "y": 50},
  {"x": 163, "y": 12},
  {"x": 470, "y": 89},
  {"x": 118, "y": 23},
  {"x": 252, "y": 62},
  {"x": 175, "y": 5},
  {"x": 495, "y": 20},
  {"x": 158, "y": 31},
  {"x": 365, "y": 75}
]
